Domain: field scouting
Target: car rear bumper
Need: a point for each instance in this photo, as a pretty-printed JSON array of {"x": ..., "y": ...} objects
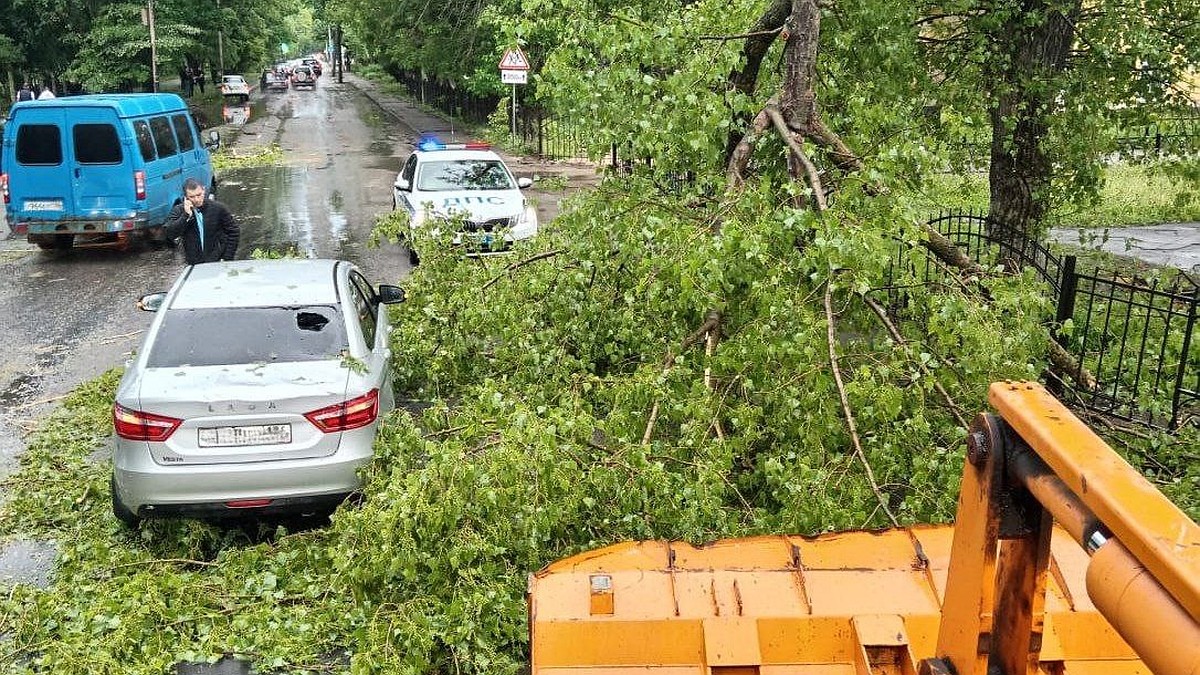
[
  {"x": 152, "y": 490},
  {"x": 43, "y": 227}
]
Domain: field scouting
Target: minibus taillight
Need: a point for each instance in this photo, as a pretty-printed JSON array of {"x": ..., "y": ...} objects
[
  {"x": 139, "y": 184},
  {"x": 4, "y": 187}
]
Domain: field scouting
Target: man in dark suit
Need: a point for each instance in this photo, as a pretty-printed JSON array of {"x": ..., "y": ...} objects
[{"x": 206, "y": 228}]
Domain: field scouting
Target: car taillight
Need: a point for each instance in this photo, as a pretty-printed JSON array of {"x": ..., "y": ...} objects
[
  {"x": 136, "y": 425},
  {"x": 352, "y": 414},
  {"x": 4, "y": 187},
  {"x": 139, "y": 184}
]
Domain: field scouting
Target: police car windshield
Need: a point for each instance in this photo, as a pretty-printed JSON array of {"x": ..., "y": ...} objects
[{"x": 463, "y": 174}]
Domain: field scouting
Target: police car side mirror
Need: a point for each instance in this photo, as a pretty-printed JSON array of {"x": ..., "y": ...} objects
[
  {"x": 524, "y": 182},
  {"x": 402, "y": 184},
  {"x": 389, "y": 295}
]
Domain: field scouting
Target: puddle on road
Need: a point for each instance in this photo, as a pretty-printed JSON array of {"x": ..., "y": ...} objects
[
  {"x": 25, "y": 561},
  {"x": 213, "y": 113},
  {"x": 20, "y": 390},
  {"x": 302, "y": 210}
]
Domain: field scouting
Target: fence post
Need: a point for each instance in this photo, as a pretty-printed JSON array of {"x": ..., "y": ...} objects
[
  {"x": 1068, "y": 283},
  {"x": 541, "y": 126},
  {"x": 1183, "y": 359}
]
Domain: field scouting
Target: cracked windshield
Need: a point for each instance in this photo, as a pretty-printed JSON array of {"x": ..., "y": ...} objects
[{"x": 518, "y": 338}]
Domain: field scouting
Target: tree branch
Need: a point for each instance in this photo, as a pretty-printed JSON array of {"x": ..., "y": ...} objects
[
  {"x": 814, "y": 180},
  {"x": 899, "y": 339},
  {"x": 849, "y": 415},
  {"x": 739, "y": 158},
  {"x": 712, "y": 324},
  {"x": 742, "y": 36},
  {"x": 518, "y": 265}
]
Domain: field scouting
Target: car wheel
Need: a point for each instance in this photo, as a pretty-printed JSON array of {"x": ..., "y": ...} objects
[{"x": 123, "y": 514}]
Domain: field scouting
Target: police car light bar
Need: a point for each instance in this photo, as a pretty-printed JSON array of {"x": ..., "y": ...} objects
[{"x": 431, "y": 143}]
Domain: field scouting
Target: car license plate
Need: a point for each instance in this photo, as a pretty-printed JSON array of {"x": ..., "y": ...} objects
[
  {"x": 259, "y": 434},
  {"x": 43, "y": 205}
]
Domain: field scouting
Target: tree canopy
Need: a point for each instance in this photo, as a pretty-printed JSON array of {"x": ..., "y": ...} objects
[{"x": 103, "y": 45}]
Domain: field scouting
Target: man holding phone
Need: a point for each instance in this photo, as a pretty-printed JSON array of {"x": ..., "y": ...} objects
[{"x": 204, "y": 226}]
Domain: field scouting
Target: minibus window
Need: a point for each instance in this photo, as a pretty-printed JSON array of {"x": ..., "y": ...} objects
[
  {"x": 145, "y": 140},
  {"x": 183, "y": 131},
  {"x": 39, "y": 144},
  {"x": 96, "y": 144},
  {"x": 164, "y": 138}
]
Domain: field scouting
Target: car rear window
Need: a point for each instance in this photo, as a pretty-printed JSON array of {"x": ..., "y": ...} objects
[
  {"x": 96, "y": 144},
  {"x": 463, "y": 174},
  {"x": 39, "y": 144},
  {"x": 248, "y": 335}
]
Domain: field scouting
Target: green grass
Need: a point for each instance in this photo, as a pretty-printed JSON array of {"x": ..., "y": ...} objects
[{"x": 1132, "y": 194}]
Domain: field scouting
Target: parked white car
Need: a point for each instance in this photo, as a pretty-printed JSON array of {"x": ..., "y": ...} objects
[
  {"x": 468, "y": 182},
  {"x": 235, "y": 86},
  {"x": 258, "y": 389}
]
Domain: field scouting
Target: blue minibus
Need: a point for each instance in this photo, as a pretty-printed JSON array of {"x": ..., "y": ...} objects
[{"x": 99, "y": 169}]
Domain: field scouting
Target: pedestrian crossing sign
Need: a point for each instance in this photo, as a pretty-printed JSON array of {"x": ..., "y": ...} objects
[{"x": 514, "y": 59}]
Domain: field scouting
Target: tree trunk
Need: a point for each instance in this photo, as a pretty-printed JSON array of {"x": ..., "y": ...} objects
[
  {"x": 797, "y": 99},
  {"x": 1023, "y": 97},
  {"x": 745, "y": 79}
]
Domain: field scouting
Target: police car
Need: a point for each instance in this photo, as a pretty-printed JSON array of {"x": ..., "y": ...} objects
[{"x": 470, "y": 186}]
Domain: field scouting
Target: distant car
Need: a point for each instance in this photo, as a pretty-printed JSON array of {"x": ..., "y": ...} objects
[
  {"x": 470, "y": 184},
  {"x": 257, "y": 390},
  {"x": 235, "y": 86},
  {"x": 302, "y": 76},
  {"x": 277, "y": 81},
  {"x": 315, "y": 64}
]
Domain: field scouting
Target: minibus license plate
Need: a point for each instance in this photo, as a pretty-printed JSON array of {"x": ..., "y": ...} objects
[
  {"x": 43, "y": 205},
  {"x": 259, "y": 434}
]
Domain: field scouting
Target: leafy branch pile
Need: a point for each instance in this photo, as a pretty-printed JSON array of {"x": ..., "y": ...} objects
[{"x": 687, "y": 359}]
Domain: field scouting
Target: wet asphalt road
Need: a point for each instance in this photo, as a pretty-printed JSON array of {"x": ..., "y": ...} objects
[{"x": 70, "y": 316}]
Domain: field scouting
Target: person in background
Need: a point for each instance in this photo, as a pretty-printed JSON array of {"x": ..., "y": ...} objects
[
  {"x": 25, "y": 93},
  {"x": 206, "y": 228},
  {"x": 200, "y": 78},
  {"x": 47, "y": 93}
]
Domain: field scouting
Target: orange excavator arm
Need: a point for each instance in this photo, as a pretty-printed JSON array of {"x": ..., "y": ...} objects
[{"x": 1062, "y": 559}]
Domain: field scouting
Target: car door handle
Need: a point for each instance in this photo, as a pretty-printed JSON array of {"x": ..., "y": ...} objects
[{"x": 77, "y": 172}]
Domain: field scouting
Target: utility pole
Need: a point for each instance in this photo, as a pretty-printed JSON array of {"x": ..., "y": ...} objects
[
  {"x": 340, "y": 57},
  {"x": 220, "y": 42},
  {"x": 148, "y": 19}
]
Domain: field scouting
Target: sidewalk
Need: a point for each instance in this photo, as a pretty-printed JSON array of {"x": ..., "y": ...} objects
[
  {"x": 1170, "y": 244},
  {"x": 421, "y": 121}
]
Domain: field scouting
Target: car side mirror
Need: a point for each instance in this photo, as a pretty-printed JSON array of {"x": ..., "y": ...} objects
[
  {"x": 524, "y": 182},
  {"x": 214, "y": 140},
  {"x": 389, "y": 295},
  {"x": 402, "y": 184},
  {"x": 151, "y": 302}
]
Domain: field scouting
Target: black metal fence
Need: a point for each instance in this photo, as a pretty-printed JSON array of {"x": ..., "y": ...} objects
[
  {"x": 1176, "y": 135},
  {"x": 1137, "y": 339},
  {"x": 446, "y": 96},
  {"x": 548, "y": 136}
]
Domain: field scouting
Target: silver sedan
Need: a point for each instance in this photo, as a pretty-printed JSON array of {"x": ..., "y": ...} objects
[{"x": 258, "y": 389}]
